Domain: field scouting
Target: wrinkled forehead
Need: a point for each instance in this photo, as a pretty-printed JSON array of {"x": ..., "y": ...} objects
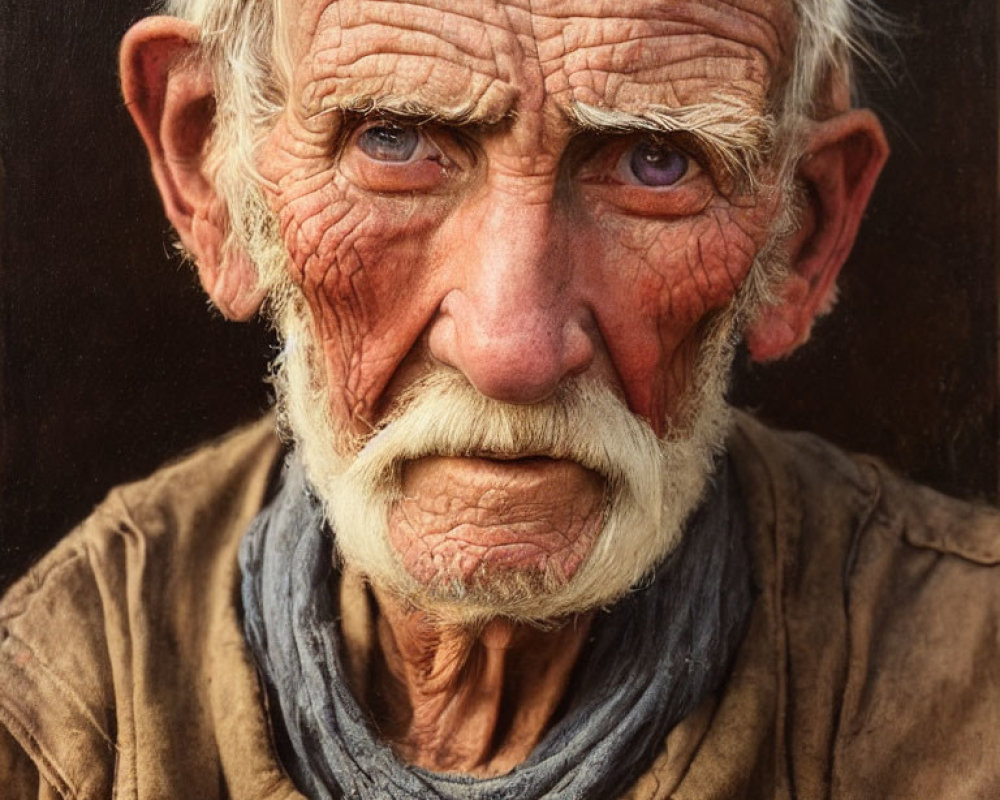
[{"x": 490, "y": 58}]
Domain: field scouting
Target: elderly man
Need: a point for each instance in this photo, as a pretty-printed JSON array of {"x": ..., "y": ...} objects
[{"x": 517, "y": 545}]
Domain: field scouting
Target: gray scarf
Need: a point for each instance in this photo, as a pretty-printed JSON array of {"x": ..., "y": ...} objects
[{"x": 649, "y": 660}]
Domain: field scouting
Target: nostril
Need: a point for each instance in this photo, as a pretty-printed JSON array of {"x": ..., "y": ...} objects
[{"x": 442, "y": 340}]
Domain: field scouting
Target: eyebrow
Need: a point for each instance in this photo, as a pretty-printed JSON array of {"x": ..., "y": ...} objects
[
  {"x": 408, "y": 109},
  {"x": 736, "y": 137}
]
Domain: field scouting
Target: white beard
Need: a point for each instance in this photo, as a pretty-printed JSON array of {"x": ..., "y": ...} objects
[{"x": 653, "y": 485}]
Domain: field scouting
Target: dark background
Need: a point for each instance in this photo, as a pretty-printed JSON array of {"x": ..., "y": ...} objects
[{"x": 110, "y": 360}]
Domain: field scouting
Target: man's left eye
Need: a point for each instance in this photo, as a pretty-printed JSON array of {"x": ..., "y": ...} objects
[
  {"x": 387, "y": 141},
  {"x": 653, "y": 163}
]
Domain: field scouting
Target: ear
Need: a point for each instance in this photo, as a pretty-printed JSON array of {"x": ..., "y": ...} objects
[
  {"x": 838, "y": 171},
  {"x": 169, "y": 93}
]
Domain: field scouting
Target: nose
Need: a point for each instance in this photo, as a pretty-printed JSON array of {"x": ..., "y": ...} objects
[{"x": 513, "y": 322}]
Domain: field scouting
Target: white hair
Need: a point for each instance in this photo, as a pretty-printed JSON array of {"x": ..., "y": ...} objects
[
  {"x": 243, "y": 43},
  {"x": 833, "y": 36}
]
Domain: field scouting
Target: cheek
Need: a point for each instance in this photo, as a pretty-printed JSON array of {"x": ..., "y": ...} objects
[
  {"x": 359, "y": 263},
  {"x": 661, "y": 282}
]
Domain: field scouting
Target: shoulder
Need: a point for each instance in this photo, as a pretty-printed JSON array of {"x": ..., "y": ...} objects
[
  {"x": 194, "y": 502},
  {"x": 89, "y": 623},
  {"x": 831, "y": 493},
  {"x": 889, "y": 596},
  {"x": 923, "y": 683},
  {"x": 220, "y": 482}
]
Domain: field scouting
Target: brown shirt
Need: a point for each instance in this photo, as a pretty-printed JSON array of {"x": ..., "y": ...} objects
[{"x": 871, "y": 668}]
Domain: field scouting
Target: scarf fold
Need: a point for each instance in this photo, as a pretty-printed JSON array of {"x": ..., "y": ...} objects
[{"x": 648, "y": 662}]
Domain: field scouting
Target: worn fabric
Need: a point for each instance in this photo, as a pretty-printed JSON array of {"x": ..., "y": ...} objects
[
  {"x": 868, "y": 670},
  {"x": 649, "y": 661}
]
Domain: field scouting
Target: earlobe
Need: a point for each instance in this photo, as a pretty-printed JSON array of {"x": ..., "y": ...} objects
[
  {"x": 838, "y": 172},
  {"x": 170, "y": 95}
]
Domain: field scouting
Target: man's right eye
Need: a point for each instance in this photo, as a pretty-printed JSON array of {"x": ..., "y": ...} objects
[
  {"x": 387, "y": 141},
  {"x": 383, "y": 155}
]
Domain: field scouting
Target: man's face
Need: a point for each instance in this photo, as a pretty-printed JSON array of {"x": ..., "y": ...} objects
[
  {"x": 517, "y": 249},
  {"x": 470, "y": 211}
]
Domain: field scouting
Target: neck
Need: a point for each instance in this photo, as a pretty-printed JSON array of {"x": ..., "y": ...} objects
[{"x": 474, "y": 700}]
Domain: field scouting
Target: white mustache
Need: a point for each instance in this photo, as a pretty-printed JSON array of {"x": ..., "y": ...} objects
[{"x": 584, "y": 422}]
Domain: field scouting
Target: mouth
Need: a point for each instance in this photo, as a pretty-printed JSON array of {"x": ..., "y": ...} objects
[
  {"x": 505, "y": 460},
  {"x": 485, "y": 472},
  {"x": 509, "y": 458}
]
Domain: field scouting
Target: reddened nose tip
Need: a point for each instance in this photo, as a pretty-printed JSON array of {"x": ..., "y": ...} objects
[{"x": 515, "y": 358}]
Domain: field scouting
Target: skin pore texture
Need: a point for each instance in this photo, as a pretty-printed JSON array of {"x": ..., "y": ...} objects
[
  {"x": 461, "y": 702},
  {"x": 451, "y": 198}
]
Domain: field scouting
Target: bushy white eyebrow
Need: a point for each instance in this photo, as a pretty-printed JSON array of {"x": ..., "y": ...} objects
[
  {"x": 408, "y": 108},
  {"x": 732, "y": 134}
]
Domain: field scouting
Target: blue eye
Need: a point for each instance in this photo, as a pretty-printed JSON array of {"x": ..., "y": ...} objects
[
  {"x": 389, "y": 142},
  {"x": 654, "y": 163}
]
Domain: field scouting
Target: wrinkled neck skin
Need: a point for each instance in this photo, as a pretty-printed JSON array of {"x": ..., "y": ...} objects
[{"x": 473, "y": 700}]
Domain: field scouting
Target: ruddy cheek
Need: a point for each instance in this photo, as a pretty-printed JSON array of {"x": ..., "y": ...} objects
[
  {"x": 361, "y": 270},
  {"x": 697, "y": 270},
  {"x": 667, "y": 279},
  {"x": 470, "y": 520}
]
